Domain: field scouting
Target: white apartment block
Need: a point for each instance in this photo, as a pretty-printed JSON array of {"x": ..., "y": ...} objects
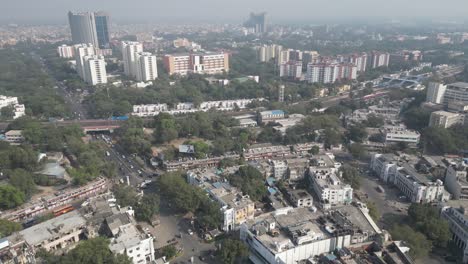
[
  {"x": 81, "y": 51},
  {"x": 435, "y": 93},
  {"x": 149, "y": 109},
  {"x": 203, "y": 63},
  {"x": 291, "y": 69},
  {"x": 326, "y": 183},
  {"x": 129, "y": 241},
  {"x": 417, "y": 187},
  {"x": 458, "y": 224},
  {"x": 129, "y": 51},
  {"x": 291, "y": 236},
  {"x": 146, "y": 67},
  {"x": 9, "y": 101},
  {"x": 267, "y": 53},
  {"x": 379, "y": 59},
  {"x": 330, "y": 72},
  {"x": 65, "y": 51},
  {"x": 446, "y": 94},
  {"x": 181, "y": 108},
  {"x": 95, "y": 70},
  {"x": 394, "y": 134},
  {"x": 360, "y": 60},
  {"x": 446, "y": 119},
  {"x": 455, "y": 181}
]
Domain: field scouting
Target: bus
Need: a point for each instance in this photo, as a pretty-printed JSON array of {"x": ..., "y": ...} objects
[{"x": 63, "y": 210}]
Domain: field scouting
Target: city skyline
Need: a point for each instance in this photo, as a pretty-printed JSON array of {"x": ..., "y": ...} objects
[{"x": 52, "y": 11}]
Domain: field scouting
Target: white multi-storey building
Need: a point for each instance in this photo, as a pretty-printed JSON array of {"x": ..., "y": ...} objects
[
  {"x": 9, "y": 101},
  {"x": 146, "y": 67},
  {"x": 326, "y": 183},
  {"x": 202, "y": 63},
  {"x": 149, "y": 109},
  {"x": 379, "y": 59},
  {"x": 395, "y": 134},
  {"x": 65, "y": 51},
  {"x": 129, "y": 51},
  {"x": 81, "y": 51},
  {"x": 290, "y": 236},
  {"x": 446, "y": 119},
  {"x": 95, "y": 70},
  {"x": 266, "y": 53},
  {"x": 435, "y": 93},
  {"x": 458, "y": 224},
  {"x": 291, "y": 69},
  {"x": 417, "y": 187},
  {"x": 129, "y": 241}
]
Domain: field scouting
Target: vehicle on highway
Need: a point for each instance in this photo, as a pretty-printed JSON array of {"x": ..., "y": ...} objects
[
  {"x": 380, "y": 189},
  {"x": 123, "y": 156},
  {"x": 107, "y": 153}
]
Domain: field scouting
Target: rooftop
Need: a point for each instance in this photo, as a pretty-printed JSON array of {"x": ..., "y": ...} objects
[
  {"x": 128, "y": 237},
  {"x": 53, "y": 228}
]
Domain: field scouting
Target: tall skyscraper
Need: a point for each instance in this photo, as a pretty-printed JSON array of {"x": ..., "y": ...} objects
[
  {"x": 81, "y": 51},
  {"x": 102, "y": 29},
  {"x": 129, "y": 49},
  {"x": 89, "y": 27},
  {"x": 95, "y": 69},
  {"x": 257, "y": 22},
  {"x": 90, "y": 67},
  {"x": 146, "y": 67}
]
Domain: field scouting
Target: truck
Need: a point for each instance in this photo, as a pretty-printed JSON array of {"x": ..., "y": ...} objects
[{"x": 380, "y": 189}]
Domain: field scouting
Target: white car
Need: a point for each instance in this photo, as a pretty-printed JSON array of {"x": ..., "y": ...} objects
[{"x": 190, "y": 232}]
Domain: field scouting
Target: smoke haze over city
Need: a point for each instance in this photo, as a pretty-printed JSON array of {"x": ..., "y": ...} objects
[{"x": 52, "y": 11}]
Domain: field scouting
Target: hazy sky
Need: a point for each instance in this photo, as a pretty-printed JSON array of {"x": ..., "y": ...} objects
[{"x": 231, "y": 10}]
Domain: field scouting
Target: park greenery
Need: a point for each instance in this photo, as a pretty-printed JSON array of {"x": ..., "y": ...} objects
[
  {"x": 8, "y": 227},
  {"x": 232, "y": 251},
  {"x": 250, "y": 181},
  {"x": 22, "y": 76},
  {"x": 351, "y": 176},
  {"x": 145, "y": 206},
  {"x": 423, "y": 229},
  {"x": 184, "y": 198},
  {"x": 91, "y": 251}
]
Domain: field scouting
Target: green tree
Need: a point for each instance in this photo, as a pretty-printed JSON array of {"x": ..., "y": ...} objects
[
  {"x": 427, "y": 220},
  {"x": 351, "y": 176},
  {"x": 416, "y": 118},
  {"x": 169, "y": 251},
  {"x": 356, "y": 133},
  {"x": 357, "y": 150},
  {"x": 92, "y": 251},
  {"x": 23, "y": 181},
  {"x": 374, "y": 121},
  {"x": 7, "y": 113},
  {"x": 373, "y": 211},
  {"x": 165, "y": 128},
  {"x": 10, "y": 197},
  {"x": 232, "y": 251},
  {"x": 125, "y": 195},
  {"x": 8, "y": 227},
  {"x": 438, "y": 140},
  {"x": 250, "y": 181},
  {"x": 314, "y": 150},
  {"x": 419, "y": 245},
  {"x": 147, "y": 207}
]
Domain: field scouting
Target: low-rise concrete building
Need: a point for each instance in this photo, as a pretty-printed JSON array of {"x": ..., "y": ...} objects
[
  {"x": 400, "y": 171},
  {"x": 446, "y": 119},
  {"x": 267, "y": 116},
  {"x": 458, "y": 224},
  {"x": 395, "y": 134},
  {"x": 291, "y": 236},
  {"x": 300, "y": 198},
  {"x": 14, "y": 136},
  {"x": 61, "y": 232}
]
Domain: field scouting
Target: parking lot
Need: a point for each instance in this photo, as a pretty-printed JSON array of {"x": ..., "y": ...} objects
[{"x": 390, "y": 202}]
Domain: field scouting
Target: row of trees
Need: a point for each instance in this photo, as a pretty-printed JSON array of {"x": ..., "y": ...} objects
[
  {"x": 424, "y": 230},
  {"x": 145, "y": 207},
  {"x": 23, "y": 77},
  {"x": 184, "y": 198}
]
